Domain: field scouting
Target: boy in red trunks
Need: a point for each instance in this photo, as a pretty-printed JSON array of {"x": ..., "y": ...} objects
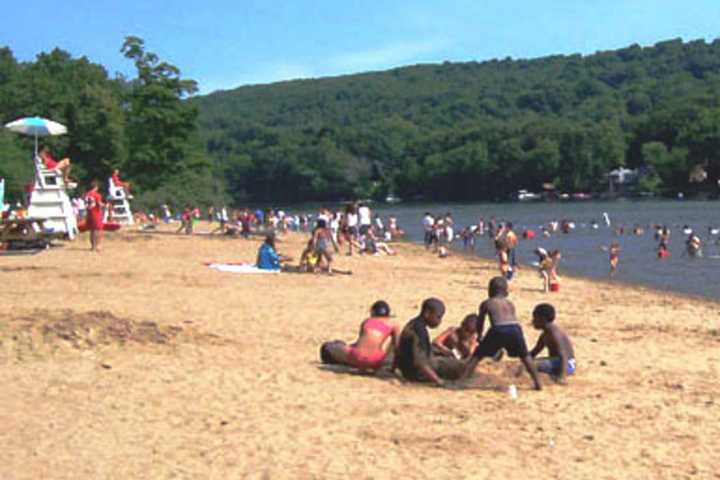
[{"x": 94, "y": 203}]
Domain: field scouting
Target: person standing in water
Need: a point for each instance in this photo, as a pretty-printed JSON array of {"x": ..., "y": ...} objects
[
  {"x": 663, "y": 237},
  {"x": 694, "y": 245},
  {"x": 613, "y": 251}
]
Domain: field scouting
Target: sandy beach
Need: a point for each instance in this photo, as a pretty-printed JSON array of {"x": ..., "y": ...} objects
[{"x": 142, "y": 362}]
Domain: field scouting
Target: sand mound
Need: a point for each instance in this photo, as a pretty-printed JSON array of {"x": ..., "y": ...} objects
[
  {"x": 103, "y": 328},
  {"x": 43, "y": 333}
]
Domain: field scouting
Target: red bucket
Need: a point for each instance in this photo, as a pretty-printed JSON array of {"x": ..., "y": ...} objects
[{"x": 554, "y": 287}]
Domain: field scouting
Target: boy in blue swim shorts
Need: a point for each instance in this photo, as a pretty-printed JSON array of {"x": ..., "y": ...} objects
[{"x": 561, "y": 360}]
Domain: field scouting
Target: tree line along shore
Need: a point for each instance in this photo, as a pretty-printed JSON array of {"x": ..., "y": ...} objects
[{"x": 452, "y": 131}]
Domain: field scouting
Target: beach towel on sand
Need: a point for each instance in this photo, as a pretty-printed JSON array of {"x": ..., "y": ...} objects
[{"x": 238, "y": 268}]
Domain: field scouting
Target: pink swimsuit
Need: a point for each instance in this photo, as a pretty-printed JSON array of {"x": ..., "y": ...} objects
[{"x": 373, "y": 359}]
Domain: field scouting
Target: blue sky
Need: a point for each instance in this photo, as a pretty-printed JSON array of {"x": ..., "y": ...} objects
[{"x": 224, "y": 44}]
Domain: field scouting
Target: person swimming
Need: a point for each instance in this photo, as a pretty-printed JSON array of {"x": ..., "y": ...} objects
[{"x": 693, "y": 245}]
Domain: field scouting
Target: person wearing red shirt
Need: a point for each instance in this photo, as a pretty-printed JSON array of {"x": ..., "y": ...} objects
[
  {"x": 186, "y": 221},
  {"x": 120, "y": 184},
  {"x": 51, "y": 164},
  {"x": 94, "y": 203}
]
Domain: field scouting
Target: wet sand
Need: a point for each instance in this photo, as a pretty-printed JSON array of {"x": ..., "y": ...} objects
[{"x": 142, "y": 362}]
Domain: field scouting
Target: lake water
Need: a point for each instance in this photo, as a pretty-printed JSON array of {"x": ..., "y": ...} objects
[{"x": 581, "y": 249}]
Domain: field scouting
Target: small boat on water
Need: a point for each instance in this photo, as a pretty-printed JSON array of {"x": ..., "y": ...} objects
[
  {"x": 392, "y": 199},
  {"x": 525, "y": 196}
]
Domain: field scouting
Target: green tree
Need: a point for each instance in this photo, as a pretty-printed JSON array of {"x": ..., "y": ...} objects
[
  {"x": 669, "y": 166},
  {"x": 160, "y": 125},
  {"x": 702, "y": 141},
  {"x": 16, "y": 166}
]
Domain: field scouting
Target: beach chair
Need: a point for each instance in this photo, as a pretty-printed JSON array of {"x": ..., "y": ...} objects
[
  {"x": 50, "y": 202},
  {"x": 118, "y": 202}
]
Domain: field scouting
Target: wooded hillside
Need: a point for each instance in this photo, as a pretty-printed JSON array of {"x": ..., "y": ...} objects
[{"x": 474, "y": 131}]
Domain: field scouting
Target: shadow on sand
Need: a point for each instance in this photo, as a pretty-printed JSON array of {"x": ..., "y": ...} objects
[{"x": 479, "y": 381}]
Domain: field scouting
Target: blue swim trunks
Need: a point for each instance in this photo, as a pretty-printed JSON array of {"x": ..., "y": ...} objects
[{"x": 552, "y": 366}]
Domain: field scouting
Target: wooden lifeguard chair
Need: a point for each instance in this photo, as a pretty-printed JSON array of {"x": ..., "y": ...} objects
[
  {"x": 49, "y": 201},
  {"x": 119, "y": 203}
]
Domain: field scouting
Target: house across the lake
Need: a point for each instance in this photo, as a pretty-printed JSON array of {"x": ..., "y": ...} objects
[{"x": 622, "y": 181}]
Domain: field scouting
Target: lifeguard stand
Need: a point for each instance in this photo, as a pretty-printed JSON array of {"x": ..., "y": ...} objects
[
  {"x": 49, "y": 200},
  {"x": 118, "y": 200}
]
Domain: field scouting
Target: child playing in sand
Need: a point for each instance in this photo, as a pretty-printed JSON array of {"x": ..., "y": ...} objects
[
  {"x": 458, "y": 342},
  {"x": 561, "y": 361},
  {"x": 505, "y": 331},
  {"x": 414, "y": 355},
  {"x": 319, "y": 245}
]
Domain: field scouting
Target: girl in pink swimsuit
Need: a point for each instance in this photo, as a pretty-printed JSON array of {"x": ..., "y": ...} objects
[{"x": 368, "y": 351}]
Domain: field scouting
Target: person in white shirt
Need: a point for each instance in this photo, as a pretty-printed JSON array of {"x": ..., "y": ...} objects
[
  {"x": 335, "y": 225},
  {"x": 365, "y": 218},
  {"x": 428, "y": 224},
  {"x": 350, "y": 227}
]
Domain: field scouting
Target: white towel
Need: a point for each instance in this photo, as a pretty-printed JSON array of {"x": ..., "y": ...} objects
[{"x": 242, "y": 268}]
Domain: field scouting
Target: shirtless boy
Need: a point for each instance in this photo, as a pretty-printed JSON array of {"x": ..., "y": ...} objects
[
  {"x": 561, "y": 361},
  {"x": 505, "y": 331},
  {"x": 458, "y": 342},
  {"x": 414, "y": 355}
]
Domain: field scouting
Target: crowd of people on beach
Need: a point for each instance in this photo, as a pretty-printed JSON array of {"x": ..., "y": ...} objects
[
  {"x": 353, "y": 229},
  {"x": 455, "y": 353},
  {"x": 452, "y": 357}
]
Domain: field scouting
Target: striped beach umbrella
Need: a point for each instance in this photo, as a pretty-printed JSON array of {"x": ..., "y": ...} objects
[{"x": 37, "y": 127}]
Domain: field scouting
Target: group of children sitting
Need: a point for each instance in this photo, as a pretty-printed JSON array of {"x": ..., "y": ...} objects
[{"x": 455, "y": 353}]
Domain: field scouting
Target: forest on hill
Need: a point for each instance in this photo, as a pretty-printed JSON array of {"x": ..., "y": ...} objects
[
  {"x": 452, "y": 131},
  {"x": 475, "y": 131}
]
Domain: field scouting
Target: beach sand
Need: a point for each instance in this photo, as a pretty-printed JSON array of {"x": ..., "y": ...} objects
[{"x": 142, "y": 362}]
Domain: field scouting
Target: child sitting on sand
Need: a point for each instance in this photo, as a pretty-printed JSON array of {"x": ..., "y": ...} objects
[
  {"x": 561, "y": 361},
  {"x": 368, "y": 351},
  {"x": 505, "y": 331},
  {"x": 458, "y": 342},
  {"x": 414, "y": 355}
]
